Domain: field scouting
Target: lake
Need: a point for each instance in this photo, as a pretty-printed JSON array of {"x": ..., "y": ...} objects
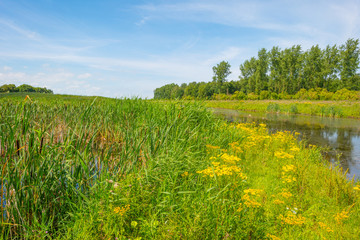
[{"x": 340, "y": 136}]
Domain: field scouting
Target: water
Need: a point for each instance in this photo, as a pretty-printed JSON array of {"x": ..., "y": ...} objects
[{"x": 340, "y": 136}]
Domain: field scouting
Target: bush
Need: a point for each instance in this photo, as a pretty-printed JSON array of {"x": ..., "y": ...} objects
[
  {"x": 294, "y": 109},
  {"x": 252, "y": 96},
  {"x": 238, "y": 96},
  {"x": 273, "y": 107},
  {"x": 344, "y": 94},
  {"x": 264, "y": 95}
]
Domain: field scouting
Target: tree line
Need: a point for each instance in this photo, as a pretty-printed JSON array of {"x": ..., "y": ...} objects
[
  {"x": 279, "y": 72},
  {"x": 6, "y": 88}
]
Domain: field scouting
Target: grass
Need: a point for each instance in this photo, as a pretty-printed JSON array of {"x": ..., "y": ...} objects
[
  {"x": 97, "y": 168},
  {"x": 349, "y": 109}
]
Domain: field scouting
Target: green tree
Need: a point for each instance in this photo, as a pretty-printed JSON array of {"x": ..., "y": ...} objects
[
  {"x": 221, "y": 72},
  {"x": 8, "y": 88},
  {"x": 247, "y": 78},
  {"x": 331, "y": 60},
  {"x": 262, "y": 65},
  {"x": 206, "y": 90},
  {"x": 176, "y": 92},
  {"x": 192, "y": 90},
  {"x": 275, "y": 59},
  {"x": 349, "y": 63},
  {"x": 291, "y": 64},
  {"x": 25, "y": 88},
  {"x": 313, "y": 69}
]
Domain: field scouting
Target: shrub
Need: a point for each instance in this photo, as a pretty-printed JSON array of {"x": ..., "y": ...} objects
[
  {"x": 264, "y": 95},
  {"x": 252, "y": 96}
]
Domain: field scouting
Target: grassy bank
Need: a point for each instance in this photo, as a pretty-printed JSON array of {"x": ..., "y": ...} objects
[
  {"x": 349, "y": 109},
  {"x": 86, "y": 168}
]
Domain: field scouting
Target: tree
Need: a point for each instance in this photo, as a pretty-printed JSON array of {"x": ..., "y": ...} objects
[
  {"x": 275, "y": 70},
  {"x": 247, "y": 79},
  {"x": 25, "y": 88},
  {"x": 291, "y": 65},
  {"x": 331, "y": 62},
  {"x": 313, "y": 69},
  {"x": 262, "y": 65},
  {"x": 221, "y": 72},
  {"x": 349, "y": 63},
  {"x": 8, "y": 88}
]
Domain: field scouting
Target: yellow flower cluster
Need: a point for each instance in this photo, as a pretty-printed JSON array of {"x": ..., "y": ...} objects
[
  {"x": 325, "y": 227},
  {"x": 288, "y": 168},
  {"x": 285, "y": 194},
  {"x": 250, "y": 197},
  {"x": 229, "y": 158},
  {"x": 247, "y": 128},
  {"x": 357, "y": 187},
  {"x": 185, "y": 174},
  {"x": 283, "y": 155},
  {"x": 287, "y": 173},
  {"x": 292, "y": 219},
  {"x": 294, "y": 149},
  {"x": 222, "y": 169},
  {"x": 339, "y": 217},
  {"x": 122, "y": 210},
  {"x": 284, "y": 136},
  {"x": 273, "y": 237},
  {"x": 210, "y": 147},
  {"x": 235, "y": 147},
  {"x": 278, "y": 202}
]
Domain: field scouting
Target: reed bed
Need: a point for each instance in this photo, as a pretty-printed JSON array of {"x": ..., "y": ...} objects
[{"x": 97, "y": 168}]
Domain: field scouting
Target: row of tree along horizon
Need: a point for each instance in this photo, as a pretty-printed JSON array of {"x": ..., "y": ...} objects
[
  {"x": 280, "y": 72},
  {"x": 7, "y": 88}
]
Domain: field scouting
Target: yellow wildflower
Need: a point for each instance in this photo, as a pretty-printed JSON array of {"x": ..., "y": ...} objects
[
  {"x": 325, "y": 227},
  {"x": 250, "y": 197},
  {"x": 283, "y": 155},
  {"x": 285, "y": 194},
  {"x": 277, "y": 201},
  {"x": 292, "y": 219},
  {"x": 122, "y": 210},
  {"x": 339, "y": 217},
  {"x": 185, "y": 174},
  {"x": 273, "y": 237}
]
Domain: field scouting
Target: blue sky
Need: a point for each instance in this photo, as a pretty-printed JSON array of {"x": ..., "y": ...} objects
[{"x": 129, "y": 48}]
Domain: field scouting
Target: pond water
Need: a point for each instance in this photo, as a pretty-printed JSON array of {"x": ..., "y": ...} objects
[{"x": 340, "y": 136}]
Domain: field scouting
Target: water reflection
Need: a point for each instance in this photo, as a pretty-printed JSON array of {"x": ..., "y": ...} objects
[{"x": 341, "y": 137}]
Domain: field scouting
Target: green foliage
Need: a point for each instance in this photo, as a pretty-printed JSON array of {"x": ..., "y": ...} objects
[
  {"x": 273, "y": 107},
  {"x": 294, "y": 109},
  {"x": 285, "y": 72},
  {"x": 96, "y": 168},
  {"x": 340, "y": 108},
  {"x": 221, "y": 72},
  {"x": 6, "y": 88}
]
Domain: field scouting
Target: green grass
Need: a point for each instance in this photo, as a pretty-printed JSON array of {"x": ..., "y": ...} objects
[
  {"x": 349, "y": 109},
  {"x": 96, "y": 168}
]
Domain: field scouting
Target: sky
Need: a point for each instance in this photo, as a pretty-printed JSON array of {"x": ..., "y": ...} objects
[{"x": 118, "y": 48}]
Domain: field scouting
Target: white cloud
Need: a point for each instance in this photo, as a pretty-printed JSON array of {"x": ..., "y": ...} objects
[
  {"x": 84, "y": 76},
  {"x": 30, "y": 35},
  {"x": 7, "y": 68}
]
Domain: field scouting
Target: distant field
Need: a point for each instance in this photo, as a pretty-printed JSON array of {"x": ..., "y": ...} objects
[
  {"x": 77, "y": 167},
  {"x": 319, "y": 108}
]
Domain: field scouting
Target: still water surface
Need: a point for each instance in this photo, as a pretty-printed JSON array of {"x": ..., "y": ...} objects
[{"x": 341, "y": 136}]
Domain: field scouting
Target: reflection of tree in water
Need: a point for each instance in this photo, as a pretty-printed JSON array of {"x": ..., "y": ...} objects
[{"x": 336, "y": 140}]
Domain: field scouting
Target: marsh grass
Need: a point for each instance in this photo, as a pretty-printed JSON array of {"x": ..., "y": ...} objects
[
  {"x": 96, "y": 168},
  {"x": 350, "y": 109}
]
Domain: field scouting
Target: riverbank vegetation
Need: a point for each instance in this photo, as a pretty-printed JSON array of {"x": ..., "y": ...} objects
[
  {"x": 97, "y": 168},
  {"x": 346, "y": 109},
  {"x": 281, "y": 74}
]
